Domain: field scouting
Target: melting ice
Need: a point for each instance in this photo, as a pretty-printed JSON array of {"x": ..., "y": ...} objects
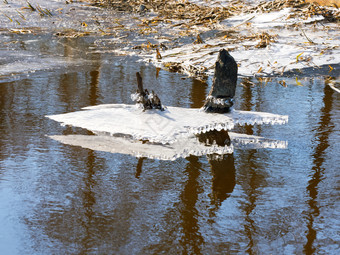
[
  {"x": 170, "y": 134},
  {"x": 160, "y": 126}
]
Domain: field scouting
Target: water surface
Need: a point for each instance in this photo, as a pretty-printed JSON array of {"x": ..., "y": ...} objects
[{"x": 61, "y": 199}]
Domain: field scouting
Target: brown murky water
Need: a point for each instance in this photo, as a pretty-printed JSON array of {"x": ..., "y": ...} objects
[{"x": 61, "y": 199}]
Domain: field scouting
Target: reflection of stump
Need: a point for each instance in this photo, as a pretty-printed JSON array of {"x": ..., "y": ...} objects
[
  {"x": 221, "y": 138},
  {"x": 224, "y": 179},
  {"x": 220, "y": 97},
  {"x": 139, "y": 167},
  {"x": 146, "y": 99}
]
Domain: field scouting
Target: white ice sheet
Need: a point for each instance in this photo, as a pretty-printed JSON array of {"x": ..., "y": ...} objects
[{"x": 160, "y": 126}]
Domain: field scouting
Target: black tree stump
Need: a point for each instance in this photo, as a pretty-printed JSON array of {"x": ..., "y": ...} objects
[{"x": 220, "y": 98}]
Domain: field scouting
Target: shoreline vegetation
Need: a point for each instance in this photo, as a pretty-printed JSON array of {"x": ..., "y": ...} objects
[
  {"x": 287, "y": 34},
  {"x": 211, "y": 12},
  {"x": 215, "y": 11}
]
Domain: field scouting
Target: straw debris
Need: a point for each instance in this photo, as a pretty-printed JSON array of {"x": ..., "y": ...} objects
[
  {"x": 199, "y": 15},
  {"x": 265, "y": 39}
]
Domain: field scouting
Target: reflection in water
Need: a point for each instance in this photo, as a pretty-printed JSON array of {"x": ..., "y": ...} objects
[
  {"x": 223, "y": 178},
  {"x": 4, "y": 95},
  {"x": 198, "y": 93},
  {"x": 251, "y": 174},
  {"x": 89, "y": 199},
  {"x": 16, "y": 116},
  {"x": 252, "y": 195},
  {"x": 223, "y": 183},
  {"x": 322, "y": 133},
  {"x": 94, "y": 93},
  {"x": 63, "y": 199},
  {"x": 192, "y": 239},
  {"x": 73, "y": 47},
  {"x": 71, "y": 82},
  {"x": 222, "y": 169},
  {"x": 89, "y": 202},
  {"x": 139, "y": 167},
  {"x": 67, "y": 90},
  {"x": 247, "y": 103}
]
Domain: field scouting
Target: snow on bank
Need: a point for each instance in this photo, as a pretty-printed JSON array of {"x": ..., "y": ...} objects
[
  {"x": 262, "y": 44},
  {"x": 262, "y": 41}
]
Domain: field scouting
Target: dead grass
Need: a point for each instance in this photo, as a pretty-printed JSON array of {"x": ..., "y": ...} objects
[
  {"x": 335, "y": 3},
  {"x": 203, "y": 15}
]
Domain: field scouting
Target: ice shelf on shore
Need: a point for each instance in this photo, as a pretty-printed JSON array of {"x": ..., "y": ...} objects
[
  {"x": 157, "y": 126},
  {"x": 31, "y": 64},
  {"x": 179, "y": 149}
]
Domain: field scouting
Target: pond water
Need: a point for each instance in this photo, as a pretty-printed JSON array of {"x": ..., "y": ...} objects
[{"x": 62, "y": 199}]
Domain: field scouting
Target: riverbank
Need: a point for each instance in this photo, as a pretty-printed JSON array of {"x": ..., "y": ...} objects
[{"x": 266, "y": 39}]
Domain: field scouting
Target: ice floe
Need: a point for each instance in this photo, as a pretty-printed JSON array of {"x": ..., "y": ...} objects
[
  {"x": 165, "y": 135},
  {"x": 158, "y": 126}
]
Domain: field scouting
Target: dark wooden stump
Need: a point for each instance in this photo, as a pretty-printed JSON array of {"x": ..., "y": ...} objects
[
  {"x": 220, "y": 98},
  {"x": 148, "y": 100}
]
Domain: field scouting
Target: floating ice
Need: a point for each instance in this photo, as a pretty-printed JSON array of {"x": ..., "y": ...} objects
[
  {"x": 33, "y": 64},
  {"x": 157, "y": 126},
  {"x": 255, "y": 142}
]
